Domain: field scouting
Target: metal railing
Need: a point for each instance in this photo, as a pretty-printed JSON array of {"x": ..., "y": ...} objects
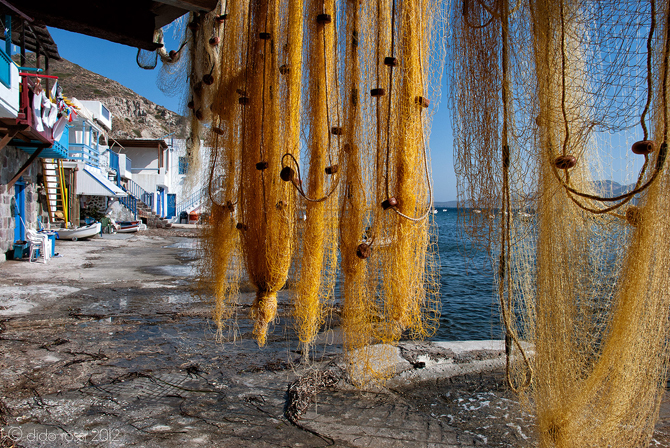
[
  {"x": 114, "y": 165},
  {"x": 130, "y": 203},
  {"x": 192, "y": 201},
  {"x": 139, "y": 193}
]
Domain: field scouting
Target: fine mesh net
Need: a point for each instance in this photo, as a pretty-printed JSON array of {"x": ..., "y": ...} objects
[
  {"x": 550, "y": 97},
  {"x": 316, "y": 126}
]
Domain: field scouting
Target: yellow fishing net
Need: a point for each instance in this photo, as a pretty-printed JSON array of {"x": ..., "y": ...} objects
[
  {"x": 316, "y": 120},
  {"x": 561, "y": 139}
]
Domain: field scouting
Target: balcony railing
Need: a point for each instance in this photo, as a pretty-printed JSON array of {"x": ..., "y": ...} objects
[
  {"x": 85, "y": 143},
  {"x": 84, "y": 153},
  {"x": 114, "y": 165}
]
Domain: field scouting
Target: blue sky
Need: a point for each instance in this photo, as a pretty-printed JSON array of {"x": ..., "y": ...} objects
[{"x": 117, "y": 62}]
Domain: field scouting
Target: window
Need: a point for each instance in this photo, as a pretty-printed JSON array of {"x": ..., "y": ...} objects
[
  {"x": 105, "y": 112},
  {"x": 183, "y": 165}
]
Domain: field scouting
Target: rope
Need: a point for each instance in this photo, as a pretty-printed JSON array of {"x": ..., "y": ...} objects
[
  {"x": 660, "y": 161},
  {"x": 423, "y": 139},
  {"x": 298, "y": 184},
  {"x": 649, "y": 57}
]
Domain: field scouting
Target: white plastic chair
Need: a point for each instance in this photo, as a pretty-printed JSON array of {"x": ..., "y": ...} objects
[{"x": 38, "y": 241}]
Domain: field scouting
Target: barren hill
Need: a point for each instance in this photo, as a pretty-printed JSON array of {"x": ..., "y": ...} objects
[{"x": 133, "y": 115}]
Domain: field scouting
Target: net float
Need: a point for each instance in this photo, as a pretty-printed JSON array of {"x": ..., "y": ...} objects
[
  {"x": 323, "y": 19},
  {"x": 287, "y": 174},
  {"x": 565, "y": 162},
  {"x": 643, "y": 147},
  {"x": 422, "y": 101},
  {"x": 390, "y": 202},
  {"x": 363, "y": 251},
  {"x": 391, "y": 61}
]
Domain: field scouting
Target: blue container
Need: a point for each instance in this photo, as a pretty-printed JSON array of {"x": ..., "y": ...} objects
[
  {"x": 21, "y": 249},
  {"x": 52, "y": 239}
]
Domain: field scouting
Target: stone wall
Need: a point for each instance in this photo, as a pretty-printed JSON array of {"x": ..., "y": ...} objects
[
  {"x": 95, "y": 204},
  {"x": 119, "y": 212},
  {"x": 11, "y": 159}
]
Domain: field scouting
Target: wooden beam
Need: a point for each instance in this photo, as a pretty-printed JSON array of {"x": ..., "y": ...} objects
[
  {"x": 128, "y": 22},
  {"x": 13, "y": 8},
  {"x": 25, "y": 166},
  {"x": 10, "y": 135},
  {"x": 191, "y": 5}
]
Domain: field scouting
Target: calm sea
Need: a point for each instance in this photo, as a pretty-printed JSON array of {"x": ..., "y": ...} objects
[{"x": 469, "y": 310}]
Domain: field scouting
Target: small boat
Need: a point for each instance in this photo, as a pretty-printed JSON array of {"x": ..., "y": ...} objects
[
  {"x": 127, "y": 226},
  {"x": 79, "y": 232}
]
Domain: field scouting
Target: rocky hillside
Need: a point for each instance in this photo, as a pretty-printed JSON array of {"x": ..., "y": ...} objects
[{"x": 133, "y": 115}]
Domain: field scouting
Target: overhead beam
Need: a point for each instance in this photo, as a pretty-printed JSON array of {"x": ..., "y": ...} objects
[
  {"x": 128, "y": 22},
  {"x": 16, "y": 11},
  {"x": 191, "y": 5},
  {"x": 10, "y": 135}
]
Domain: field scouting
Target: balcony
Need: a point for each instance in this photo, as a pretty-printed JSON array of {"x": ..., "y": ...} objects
[
  {"x": 59, "y": 150},
  {"x": 85, "y": 143},
  {"x": 23, "y": 130}
]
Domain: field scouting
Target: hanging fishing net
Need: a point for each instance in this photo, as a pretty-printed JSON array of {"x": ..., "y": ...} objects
[
  {"x": 561, "y": 131},
  {"x": 315, "y": 118},
  {"x": 146, "y": 59}
]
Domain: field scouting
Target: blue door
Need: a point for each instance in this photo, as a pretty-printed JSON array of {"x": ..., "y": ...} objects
[
  {"x": 171, "y": 205},
  {"x": 19, "y": 210},
  {"x": 159, "y": 202}
]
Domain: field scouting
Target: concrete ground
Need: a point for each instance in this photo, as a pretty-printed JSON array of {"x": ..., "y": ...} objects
[{"x": 107, "y": 346}]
